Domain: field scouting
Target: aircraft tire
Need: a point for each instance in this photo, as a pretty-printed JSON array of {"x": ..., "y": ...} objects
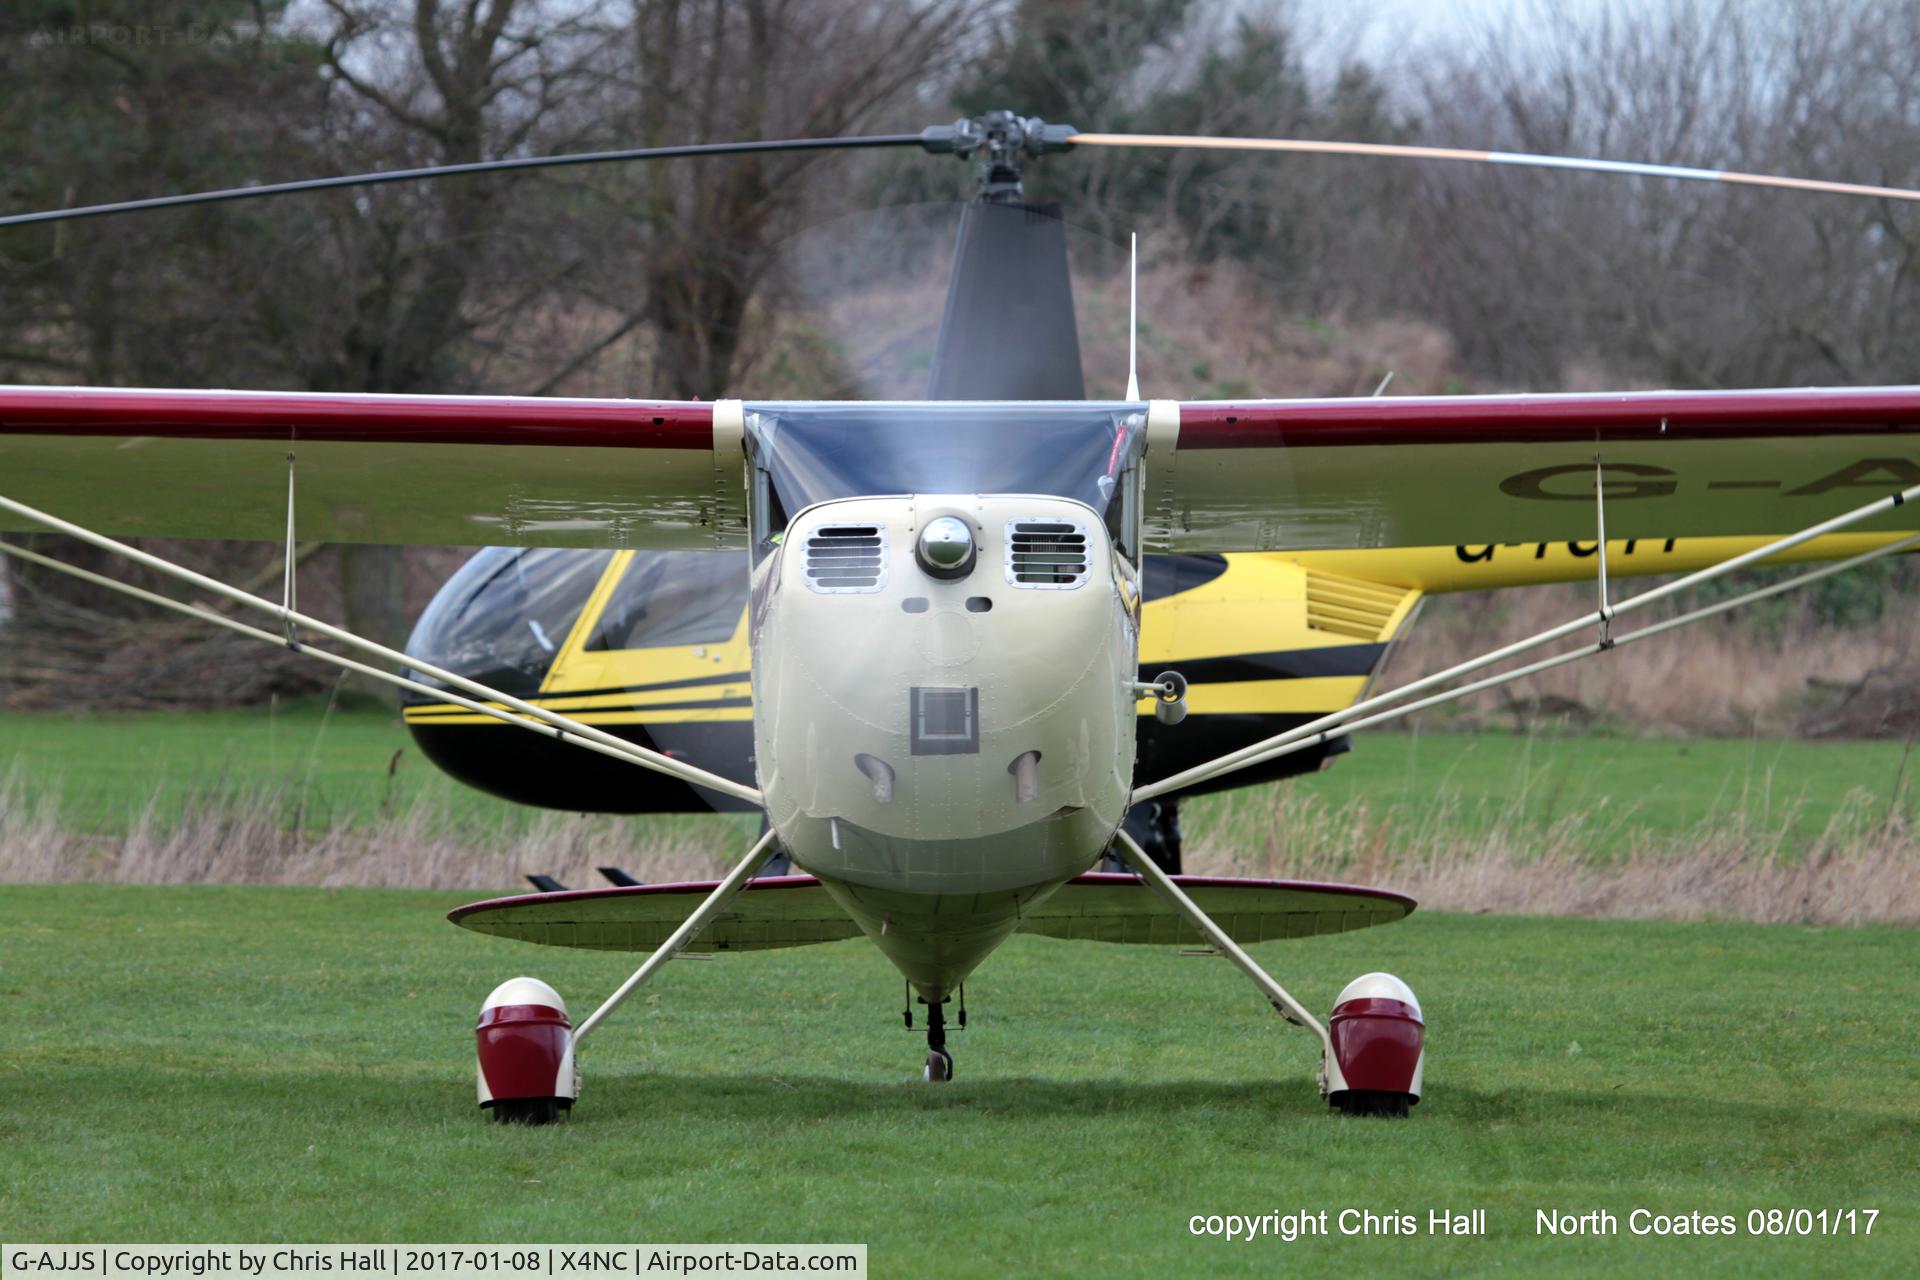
[
  {"x": 1372, "y": 1102},
  {"x": 531, "y": 1111}
]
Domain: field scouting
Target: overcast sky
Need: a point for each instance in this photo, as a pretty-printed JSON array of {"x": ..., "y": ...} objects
[{"x": 1384, "y": 32}]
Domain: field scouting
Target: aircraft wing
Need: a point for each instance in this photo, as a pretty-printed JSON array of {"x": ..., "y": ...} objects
[
  {"x": 771, "y": 912},
  {"x": 456, "y": 470},
  {"x": 1105, "y": 907},
  {"x": 795, "y": 911},
  {"x": 1243, "y": 476},
  {"x": 1439, "y": 471}
]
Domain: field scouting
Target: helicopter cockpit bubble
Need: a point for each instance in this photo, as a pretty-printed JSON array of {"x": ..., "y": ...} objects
[
  {"x": 502, "y": 618},
  {"x": 648, "y": 645}
]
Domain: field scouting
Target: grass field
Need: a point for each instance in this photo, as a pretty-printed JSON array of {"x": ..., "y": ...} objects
[
  {"x": 342, "y": 767},
  {"x": 255, "y": 1064},
  {"x": 1665, "y": 785},
  {"x": 329, "y": 766},
  {"x": 1763, "y": 830}
]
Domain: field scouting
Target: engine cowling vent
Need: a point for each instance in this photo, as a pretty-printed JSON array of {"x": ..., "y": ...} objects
[
  {"x": 1363, "y": 610},
  {"x": 1046, "y": 554},
  {"x": 847, "y": 558}
]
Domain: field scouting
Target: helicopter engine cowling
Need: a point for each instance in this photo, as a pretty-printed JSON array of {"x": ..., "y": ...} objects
[
  {"x": 526, "y": 1071},
  {"x": 1378, "y": 1046}
]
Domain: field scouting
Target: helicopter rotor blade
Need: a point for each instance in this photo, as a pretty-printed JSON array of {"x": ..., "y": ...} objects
[
  {"x": 514, "y": 164},
  {"x": 927, "y": 140},
  {"x": 1516, "y": 158}
]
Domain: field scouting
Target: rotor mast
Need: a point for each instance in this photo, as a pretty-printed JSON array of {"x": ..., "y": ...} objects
[{"x": 1007, "y": 331}]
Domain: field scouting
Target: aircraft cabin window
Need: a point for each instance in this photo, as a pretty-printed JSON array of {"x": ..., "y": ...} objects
[
  {"x": 1123, "y": 515},
  {"x": 673, "y": 598}
]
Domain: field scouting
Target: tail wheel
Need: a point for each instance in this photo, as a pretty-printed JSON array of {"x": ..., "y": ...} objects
[{"x": 939, "y": 1066}]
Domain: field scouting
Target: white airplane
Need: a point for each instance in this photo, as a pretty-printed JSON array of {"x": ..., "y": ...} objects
[{"x": 944, "y": 610}]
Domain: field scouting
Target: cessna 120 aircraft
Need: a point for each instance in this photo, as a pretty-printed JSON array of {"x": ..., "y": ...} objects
[{"x": 949, "y": 614}]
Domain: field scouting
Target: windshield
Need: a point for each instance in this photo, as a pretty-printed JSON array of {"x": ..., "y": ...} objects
[{"x": 1069, "y": 449}]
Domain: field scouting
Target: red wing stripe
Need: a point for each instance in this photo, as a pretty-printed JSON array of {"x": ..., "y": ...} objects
[
  {"x": 296, "y": 416},
  {"x": 1664, "y": 415}
]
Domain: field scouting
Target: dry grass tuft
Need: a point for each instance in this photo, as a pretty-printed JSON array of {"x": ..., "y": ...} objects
[
  {"x": 1721, "y": 679},
  {"x": 1856, "y": 872},
  {"x": 1863, "y": 869},
  {"x": 229, "y": 835}
]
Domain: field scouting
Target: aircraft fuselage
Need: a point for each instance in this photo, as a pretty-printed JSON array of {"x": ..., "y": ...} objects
[{"x": 944, "y": 745}]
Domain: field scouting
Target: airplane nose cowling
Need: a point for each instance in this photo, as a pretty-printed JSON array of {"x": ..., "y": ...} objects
[
  {"x": 525, "y": 1043},
  {"x": 943, "y": 712},
  {"x": 1379, "y": 1038},
  {"x": 941, "y": 694}
]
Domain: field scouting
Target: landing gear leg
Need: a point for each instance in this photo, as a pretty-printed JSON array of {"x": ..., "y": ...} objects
[
  {"x": 526, "y": 1044},
  {"x": 939, "y": 1061},
  {"x": 702, "y": 916},
  {"x": 1282, "y": 1001},
  {"x": 1371, "y": 1063}
]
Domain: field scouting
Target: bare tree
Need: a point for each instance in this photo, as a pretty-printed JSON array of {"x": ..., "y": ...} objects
[
  {"x": 456, "y": 285},
  {"x": 697, "y": 241},
  {"x": 1539, "y": 275}
]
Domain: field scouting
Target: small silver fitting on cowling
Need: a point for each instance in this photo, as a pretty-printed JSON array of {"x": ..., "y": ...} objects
[{"x": 945, "y": 548}]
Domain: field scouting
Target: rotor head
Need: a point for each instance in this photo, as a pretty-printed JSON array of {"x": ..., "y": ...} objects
[{"x": 1002, "y": 141}]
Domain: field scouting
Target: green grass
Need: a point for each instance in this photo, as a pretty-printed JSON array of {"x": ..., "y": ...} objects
[
  {"x": 1667, "y": 785},
  {"x": 227, "y": 1064},
  {"x": 333, "y": 766},
  {"x": 343, "y": 767}
]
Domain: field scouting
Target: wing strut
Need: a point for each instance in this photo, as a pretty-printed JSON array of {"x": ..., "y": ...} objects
[
  {"x": 703, "y": 915},
  {"x": 1601, "y": 646},
  {"x": 1278, "y": 996},
  {"x": 1373, "y": 711},
  {"x": 485, "y": 700}
]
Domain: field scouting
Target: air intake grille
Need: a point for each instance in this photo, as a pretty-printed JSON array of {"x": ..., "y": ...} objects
[
  {"x": 1046, "y": 553},
  {"x": 1363, "y": 610},
  {"x": 847, "y": 557}
]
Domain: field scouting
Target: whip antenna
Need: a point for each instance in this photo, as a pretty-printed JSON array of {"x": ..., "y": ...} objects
[{"x": 1133, "y": 314}]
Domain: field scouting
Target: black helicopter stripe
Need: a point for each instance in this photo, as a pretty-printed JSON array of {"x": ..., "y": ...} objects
[
  {"x": 1282, "y": 664},
  {"x": 691, "y": 682},
  {"x": 421, "y": 715}
]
